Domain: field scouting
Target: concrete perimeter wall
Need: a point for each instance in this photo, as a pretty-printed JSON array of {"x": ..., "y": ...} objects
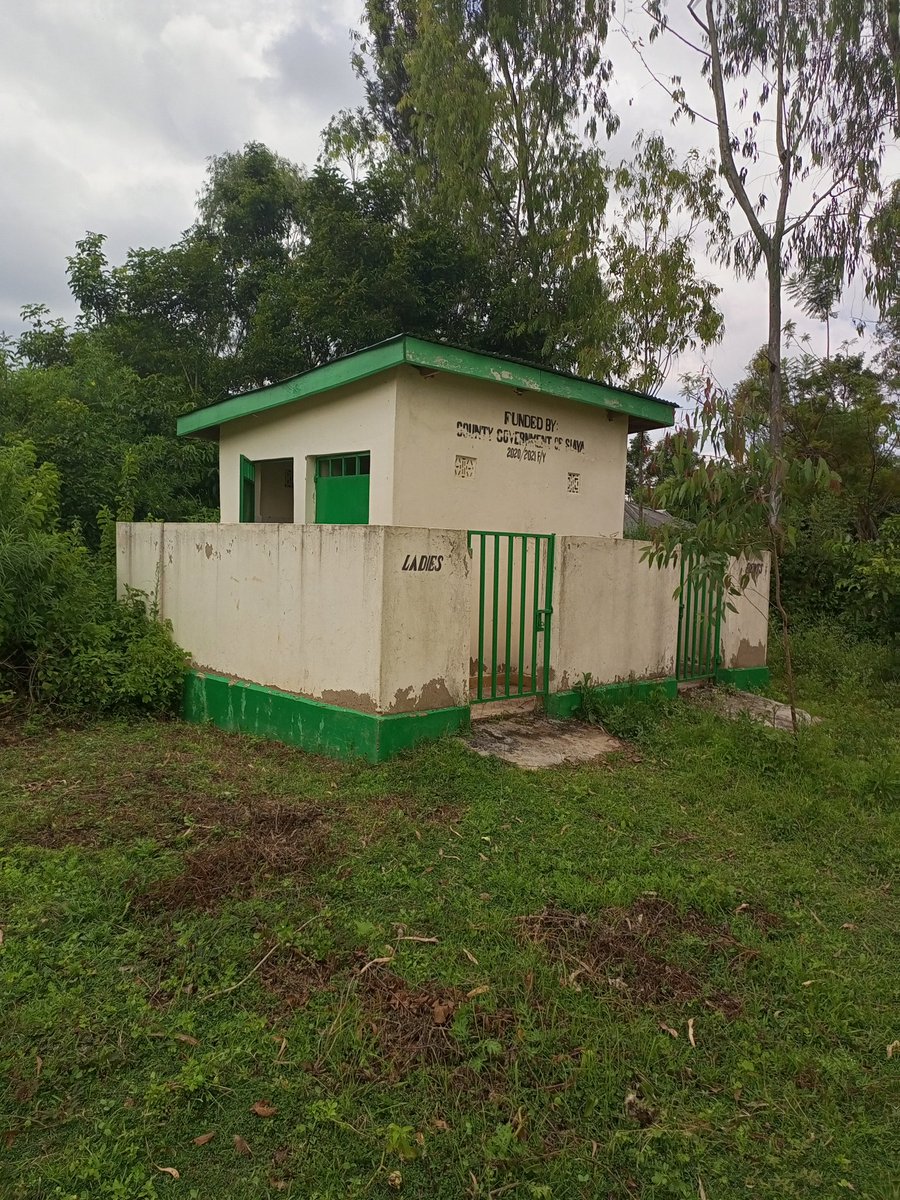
[
  {"x": 745, "y": 632},
  {"x": 617, "y": 617},
  {"x": 332, "y": 613},
  {"x": 379, "y": 619},
  {"x": 614, "y": 616}
]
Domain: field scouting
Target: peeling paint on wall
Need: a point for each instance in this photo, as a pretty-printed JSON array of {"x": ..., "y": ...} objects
[
  {"x": 435, "y": 694},
  {"x": 346, "y": 698},
  {"x": 749, "y": 654}
]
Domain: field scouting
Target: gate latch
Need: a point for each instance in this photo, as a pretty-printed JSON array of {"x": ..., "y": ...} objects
[{"x": 539, "y": 623}]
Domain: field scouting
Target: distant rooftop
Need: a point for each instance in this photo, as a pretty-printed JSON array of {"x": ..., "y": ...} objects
[{"x": 637, "y": 517}]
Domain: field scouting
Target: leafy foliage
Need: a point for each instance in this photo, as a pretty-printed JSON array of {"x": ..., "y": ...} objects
[
  {"x": 815, "y": 85},
  {"x": 63, "y": 635},
  {"x": 659, "y": 305}
]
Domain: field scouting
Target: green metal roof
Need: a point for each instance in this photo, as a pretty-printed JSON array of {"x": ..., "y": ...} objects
[{"x": 644, "y": 412}]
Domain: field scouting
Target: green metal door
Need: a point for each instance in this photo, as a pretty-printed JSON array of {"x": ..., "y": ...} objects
[
  {"x": 514, "y": 572},
  {"x": 248, "y": 490},
  {"x": 342, "y": 489},
  {"x": 699, "y": 626}
]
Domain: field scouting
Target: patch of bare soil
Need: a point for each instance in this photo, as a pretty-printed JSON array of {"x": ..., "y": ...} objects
[
  {"x": 292, "y": 978},
  {"x": 624, "y": 950},
  {"x": 263, "y": 839},
  {"x": 184, "y": 777},
  {"x": 411, "y": 1024}
]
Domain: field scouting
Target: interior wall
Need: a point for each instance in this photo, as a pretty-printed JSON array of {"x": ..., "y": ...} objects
[
  {"x": 348, "y": 420},
  {"x": 275, "y": 490},
  {"x": 478, "y": 455}
]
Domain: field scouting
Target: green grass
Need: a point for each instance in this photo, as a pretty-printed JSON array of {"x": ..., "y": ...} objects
[{"x": 137, "y": 1016}]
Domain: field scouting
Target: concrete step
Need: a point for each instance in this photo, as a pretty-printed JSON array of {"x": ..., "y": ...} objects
[{"x": 514, "y": 706}]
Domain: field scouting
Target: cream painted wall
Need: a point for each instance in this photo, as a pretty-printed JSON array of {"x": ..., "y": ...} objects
[
  {"x": 745, "y": 632},
  {"x": 425, "y": 620},
  {"x": 613, "y": 615},
  {"x": 618, "y": 618},
  {"x": 336, "y": 614},
  {"x": 286, "y": 606},
  {"x": 447, "y": 453},
  {"x": 489, "y": 489},
  {"x": 325, "y": 611},
  {"x": 350, "y": 419}
]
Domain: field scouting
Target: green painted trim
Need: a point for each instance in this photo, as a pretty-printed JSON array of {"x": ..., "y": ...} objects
[
  {"x": 247, "y": 495},
  {"x": 311, "y": 383},
  {"x": 241, "y": 707},
  {"x": 650, "y": 412},
  {"x": 565, "y": 704},
  {"x": 534, "y": 379},
  {"x": 744, "y": 677}
]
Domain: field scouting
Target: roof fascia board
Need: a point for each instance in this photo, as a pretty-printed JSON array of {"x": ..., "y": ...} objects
[
  {"x": 533, "y": 379},
  {"x": 418, "y": 353},
  {"x": 311, "y": 383}
]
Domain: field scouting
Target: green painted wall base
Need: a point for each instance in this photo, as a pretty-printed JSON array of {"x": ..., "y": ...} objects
[
  {"x": 241, "y": 707},
  {"x": 744, "y": 677},
  {"x": 565, "y": 704}
]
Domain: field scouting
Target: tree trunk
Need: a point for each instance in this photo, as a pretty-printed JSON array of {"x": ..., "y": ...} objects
[
  {"x": 785, "y": 638},
  {"x": 776, "y": 415}
]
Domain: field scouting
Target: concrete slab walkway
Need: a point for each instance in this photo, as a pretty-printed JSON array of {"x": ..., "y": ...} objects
[
  {"x": 757, "y": 708},
  {"x": 535, "y": 741}
]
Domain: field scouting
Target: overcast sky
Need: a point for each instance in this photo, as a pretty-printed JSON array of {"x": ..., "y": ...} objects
[{"x": 109, "y": 108}]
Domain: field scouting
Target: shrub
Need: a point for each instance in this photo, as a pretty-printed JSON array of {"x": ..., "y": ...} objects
[{"x": 63, "y": 635}]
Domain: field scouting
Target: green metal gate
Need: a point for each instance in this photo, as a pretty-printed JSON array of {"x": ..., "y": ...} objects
[
  {"x": 699, "y": 626},
  {"x": 514, "y": 573}
]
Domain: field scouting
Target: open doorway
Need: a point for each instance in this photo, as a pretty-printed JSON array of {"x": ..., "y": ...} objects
[{"x": 267, "y": 490}]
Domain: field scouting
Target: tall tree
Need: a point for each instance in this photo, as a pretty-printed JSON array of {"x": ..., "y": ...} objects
[
  {"x": 814, "y": 84},
  {"x": 497, "y": 105},
  {"x": 660, "y": 303},
  {"x": 816, "y": 292},
  {"x": 380, "y": 60}
]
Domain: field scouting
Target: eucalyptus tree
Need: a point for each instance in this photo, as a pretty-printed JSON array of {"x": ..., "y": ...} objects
[
  {"x": 662, "y": 305},
  {"x": 810, "y": 87},
  {"x": 816, "y": 292}
]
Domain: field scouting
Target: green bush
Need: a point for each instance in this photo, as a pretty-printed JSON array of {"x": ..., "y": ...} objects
[
  {"x": 828, "y": 575},
  {"x": 834, "y": 659},
  {"x": 64, "y": 638},
  {"x": 872, "y": 580}
]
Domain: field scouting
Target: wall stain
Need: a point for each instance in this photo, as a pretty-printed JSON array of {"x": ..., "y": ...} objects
[{"x": 208, "y": 550}]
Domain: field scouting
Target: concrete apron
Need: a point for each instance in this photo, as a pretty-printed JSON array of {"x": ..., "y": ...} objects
[{"x": 534, "y": 741}]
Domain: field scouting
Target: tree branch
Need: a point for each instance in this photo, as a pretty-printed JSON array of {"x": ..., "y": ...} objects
[
  {"x": 693, "y": 112},
  {"x": 729, "y": 167}
]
